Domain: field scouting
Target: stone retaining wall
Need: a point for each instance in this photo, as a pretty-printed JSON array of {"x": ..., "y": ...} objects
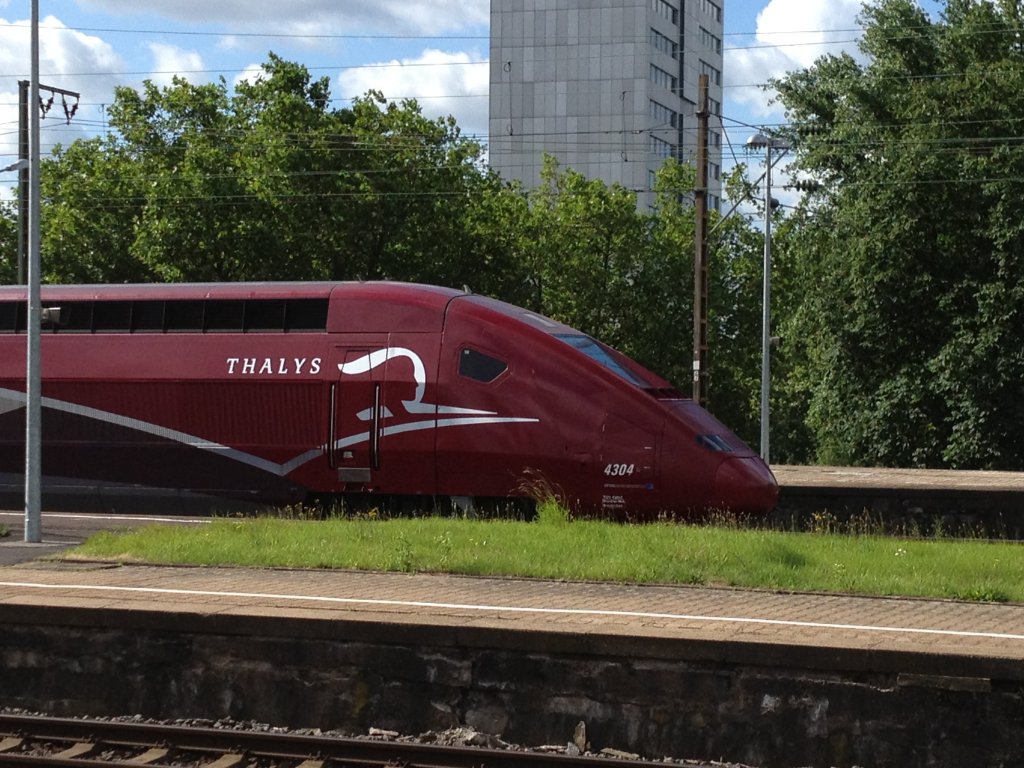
[{"x": 762, "y": 706}]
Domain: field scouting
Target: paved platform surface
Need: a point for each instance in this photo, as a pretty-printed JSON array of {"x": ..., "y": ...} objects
[
  {"x": 935, "y": 628},
  {"x": 880, "y": 478}
]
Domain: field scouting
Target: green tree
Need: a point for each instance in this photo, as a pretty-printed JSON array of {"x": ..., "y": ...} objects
[
  {"x": 497, "y": 248},
  {"x": 92, "y": 202},
  {"x": 588, "y": 252},
  {"x": 626, "y": 277},
  {"x": 8, "y": 243},
  {"x": 911, "y": 249},
  {"x": 195, "y": 183}
]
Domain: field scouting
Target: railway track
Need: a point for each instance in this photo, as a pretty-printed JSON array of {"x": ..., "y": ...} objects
[{"x": 32, "y": 740}]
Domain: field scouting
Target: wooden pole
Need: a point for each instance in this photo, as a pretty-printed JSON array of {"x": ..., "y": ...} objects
[{"x": 700, "y": 262}]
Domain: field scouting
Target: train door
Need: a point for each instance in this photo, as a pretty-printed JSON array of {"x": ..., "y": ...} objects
[
  {"x": 381, "y": 430},
  {"x": 627, "y": 465},
  {"x": 355, "y": 417}
]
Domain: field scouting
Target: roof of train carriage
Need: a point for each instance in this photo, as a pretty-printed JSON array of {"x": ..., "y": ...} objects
[
  {"x": 245, "y": 290},
  {"x": 355, "y": 306},
  {"x": 377, "y": 307}
]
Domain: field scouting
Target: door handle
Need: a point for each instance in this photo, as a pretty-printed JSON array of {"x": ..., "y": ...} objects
[
  {"x": 332, "y": 428},
  {"x": 375, "y": 431}
]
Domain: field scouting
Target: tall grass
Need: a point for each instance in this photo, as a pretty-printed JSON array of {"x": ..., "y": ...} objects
[{"x": 556, "y": 547}]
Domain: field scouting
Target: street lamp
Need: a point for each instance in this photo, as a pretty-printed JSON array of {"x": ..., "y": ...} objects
[{"x": 767, "y": 143}]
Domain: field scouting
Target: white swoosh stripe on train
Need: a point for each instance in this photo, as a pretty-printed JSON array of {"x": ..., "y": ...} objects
[{"x": 271, "y": 467}]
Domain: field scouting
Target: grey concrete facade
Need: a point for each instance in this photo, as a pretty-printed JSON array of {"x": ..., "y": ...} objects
[{"x": 608, "y": 87}]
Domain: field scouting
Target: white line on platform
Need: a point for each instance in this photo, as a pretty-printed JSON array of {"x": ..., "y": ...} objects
[
  {"x": 130, "y": 518},
  {"x": 519, "y": 609}
]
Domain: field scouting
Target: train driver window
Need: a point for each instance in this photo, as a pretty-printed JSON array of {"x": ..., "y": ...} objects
[
  {"x": 714, "y": 443},
  {"x": 480, "y": 367},
  {"x": 597, "y": 352}
]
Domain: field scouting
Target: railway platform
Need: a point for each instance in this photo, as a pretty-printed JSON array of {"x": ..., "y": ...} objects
[
  {"x": 757, "y": 677},
  {"x": 982, "y": 503},
  {"x": 937, "y": 637},
  {"x": 898, "y": 480},
  {"x": 760, "y": 678}
]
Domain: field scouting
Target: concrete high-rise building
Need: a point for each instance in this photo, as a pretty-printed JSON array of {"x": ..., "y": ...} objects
[{"x": 608, "y": 87}]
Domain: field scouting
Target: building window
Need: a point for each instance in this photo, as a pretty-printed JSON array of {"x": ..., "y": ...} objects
[
  {"x": 663, "y": 78},
  {"x": 709, "y": 41},
  {"x": 667, "y": 10},
  {"x": 712, "y": 9},
  {"x": 662, "y": 148},
  {"x": 714, "y": 74},
  {"x": 662, "y": 115},
  {"x": 714, "y": 171},
  {"x": 714, "y": 139},
  {"x": 714, "y": 106},
  {"x": 664, "y": 44}
]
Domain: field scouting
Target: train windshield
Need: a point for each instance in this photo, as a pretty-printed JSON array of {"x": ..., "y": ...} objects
[{"x": 595, "y": 351}]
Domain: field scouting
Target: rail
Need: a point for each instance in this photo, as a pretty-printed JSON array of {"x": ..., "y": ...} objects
[{"x": 30, "y": 740}]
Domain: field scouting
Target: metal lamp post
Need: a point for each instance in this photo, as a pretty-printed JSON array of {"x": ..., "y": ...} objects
[
  {"x": 767, "y": 143},
  {"x": 33, "y": 384}
]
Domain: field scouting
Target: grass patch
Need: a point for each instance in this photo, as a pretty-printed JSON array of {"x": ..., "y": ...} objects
[
  {"x": 556, "y": 547},
  {"x": 4, "y": 531}
]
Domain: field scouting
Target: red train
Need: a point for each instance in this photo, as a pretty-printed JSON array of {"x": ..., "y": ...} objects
[{"x": 274, "y": 393}]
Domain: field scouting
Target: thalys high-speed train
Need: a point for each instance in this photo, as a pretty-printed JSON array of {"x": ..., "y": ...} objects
[{"x": 275, "y": 393}]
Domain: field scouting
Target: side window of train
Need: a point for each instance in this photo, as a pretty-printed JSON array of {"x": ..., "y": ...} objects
[{"x": 480, "y": 367}]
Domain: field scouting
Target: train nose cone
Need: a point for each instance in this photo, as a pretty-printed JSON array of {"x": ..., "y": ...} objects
[{"x": 745, "y": 485}]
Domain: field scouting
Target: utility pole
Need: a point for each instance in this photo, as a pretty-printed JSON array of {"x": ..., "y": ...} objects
[
  {"x": 33, "y": 375},
  {"x": 23, "y": 147},
  {"x": 22, "y": 180},
  {"x": 700, "y": 261},
  {"x": 767, "y": 143}
]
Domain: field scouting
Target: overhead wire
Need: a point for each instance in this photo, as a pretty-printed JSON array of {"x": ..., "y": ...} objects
[
  {"x": 907, "y": 33},
  {"x": 591, "y": 144}
]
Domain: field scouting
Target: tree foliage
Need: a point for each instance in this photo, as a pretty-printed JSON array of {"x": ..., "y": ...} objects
[
  {"x": 8, "y": 244},
  {"x": 626, "y": 277},
  {"x": 910, "y": 252},
  {"x": 195, "y": 183}
]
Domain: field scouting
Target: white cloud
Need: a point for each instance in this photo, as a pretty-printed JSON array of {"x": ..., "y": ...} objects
[
  {"x": 791, "y": 35},
  {"x": 70, "y": 60},
  {"x": 169, "y": 60},
  {"x": 251, "y": 74},
  {"x": 63, "y": 53},
  {"x": 317, "y": 17},
  {"x": 444, "y": 83}
]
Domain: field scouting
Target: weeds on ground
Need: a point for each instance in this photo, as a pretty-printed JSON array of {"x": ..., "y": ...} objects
[
  {"x": 823, "y": 552},
  {"x": 4, "y": 531},
  {"x": 551, "y": 513}
]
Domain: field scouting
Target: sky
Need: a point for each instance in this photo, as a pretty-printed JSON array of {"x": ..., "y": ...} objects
[{"x": 433, "y": 50}]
